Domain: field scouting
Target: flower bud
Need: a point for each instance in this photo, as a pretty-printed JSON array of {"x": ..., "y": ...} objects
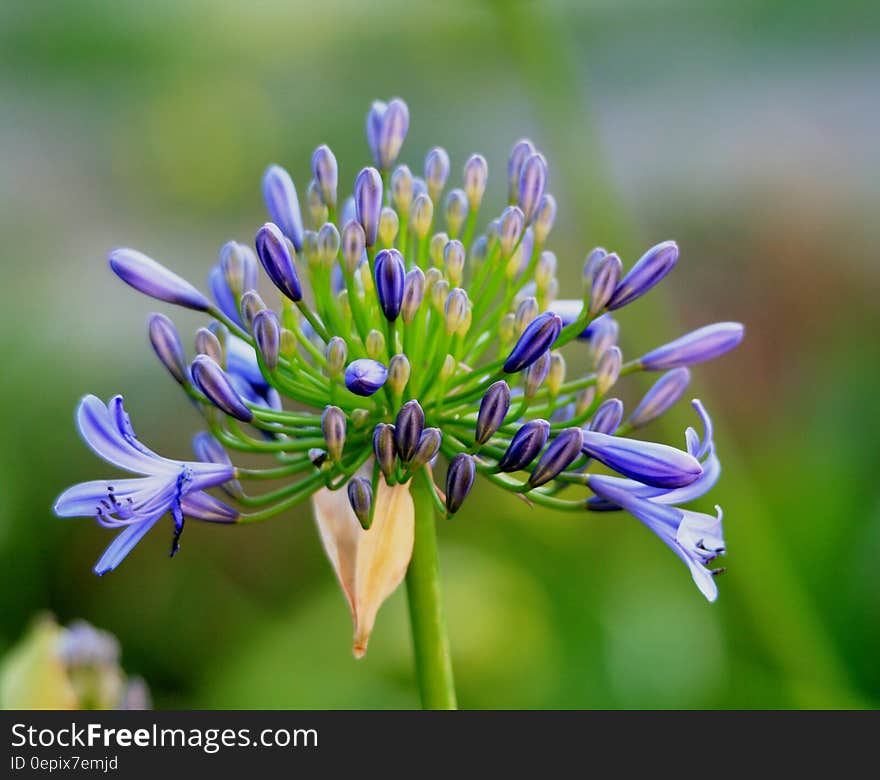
[
  {"x": 526, "y": 312},
  {"x": 532, "y": 180},
  {"x": 360, "y": 496},
  {"x": 476, "y": 175},
  {"x": 591, "y": 264},
  {"x": 282, "y": 203},
  {"x": 385, "y": 449},
  {"x": 274, "y": 254},
  {"x": 479, "y": 250},
  {"x": 653, "y": 464},
  {"x": 545, "y": 270},
  {"x": 456, "y": 211},
  {"x": 166, "y": 343},
  {"x": 149, "y": 277},
  {"x": 287, "y": 343},
  {"x": 251, "y": 304},
  {"x": 584, "y": 400},
  {"x": 439, "y": 294},
  {"x": 556, "y": 374},
  {"x": 453, "y": 259},
  {"x": 408, "y": 426},
  {"x": 413, "y": 292},
  {"x": 607, "y": 417},
  {"x": 544, "y": 218},
  {"x": 421, "y": 215},
  {"x": 209, "y": 450},
  {"x": 660, "y": 398},
  {"x": 326, "y": 173},
  {"x": 333, "y": 426},
  {"x": 368, "y": 202},
  {"x": 436, "y": 171},
  {"x": 399, "y": 370},
  {"x": 429, "y": 446},
  {"x": 603, "y": 334},
  {"x": 418, "y": 187},
  {"x": 353, "y": 245},
  {"x": 456, "y": 309},
  {"x": 535, "y": 374},
  {"x": 507, "y": 329},
  {"x": 608, "y": 369},
  {"x": 448, "y": 368},
  {"x": 648, "y": 271},
  {"x": 336, "y": 353},
  {"x": 459, "y": 481},
  {"x": 239, "y": 267},
  {"x": 389, "y": 224},
  {"x": 317, "y": 208},
  {"x": 208, "y": 344},
  {"x": 699, "y": 345},
  {"x": 215, "y": 384},
  {"x": 510, "y": 229},
  {"x": 365, "y": 376},
  {"x": 435, "y": 248},
  {"x": 522, "y": 149},
  {"x": 560, "y": 454},
  {"x": 432, "y": 276},
  {"x": 375, "y": 343},
  {"x": 603, "y": 284},
  {"x": 328, "y": 243},
  {"x": 528, "y": 441},
  {"x": 536, "y": 339},
  {"x": 390, "y": 277},
  {"x": 402, "y": 190},
  {"x": 493, "y": 410},
  {"x": 267, "y": 334},
  {"x": 392, "y": 132}
]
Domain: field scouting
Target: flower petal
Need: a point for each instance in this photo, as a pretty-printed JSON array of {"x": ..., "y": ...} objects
[
  {"x": 203, "y": 506},
  {"x": 122, "y": 545}
]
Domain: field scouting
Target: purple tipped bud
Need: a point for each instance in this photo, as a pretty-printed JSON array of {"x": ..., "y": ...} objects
[
  {"x": 421, "y": 215},
  {"x": 409, "y": 425},
  {"x": 153, "y": 279},
  {"x": 493, "y": 410},
  {"x": 535, "y": 374},
  {"x": 166, "y": 343},
  {"x": 360, "y": 496},
  {"x": 413, "y": 293},
  {"x": 459, "y": 481},
  {"x": 697, "y": 346},
  {"x": 526, "y": 312},
  {"x": 385, "y": 449},
  {"x": 395, "y": 123},
  {"x": 368, "y": 202},
  {"x": 536, "y": 339},
  {"x": 648, "y": 271},
  {"x": 660, "y": 398},
  {"x": 274, "y": 254},
  {"x": 333, "y": 426},
  {"x": 239, "y": 267},
  {"x": 653, "y": 464},
  {"x": 390, "y": 279},
  {"x": 317, "y": 208},
  {"x": 604, "y": 283},
  {"x": 436, "y": 171},
  {"x": 522, "y": 150},
  {"x": 208, "y": 344},
  {"x": 399, "y": 370},
  {"x": 560, "y": 454},
  {"x": 282, "y": 203},
  {"x": 544, "y": 218},
  {"x": 209, "y": 450},
  {"x": 328, "y": 243},
  {"x": 532, "y": 180},
  {"x": 326, "y": 173},
  {"x": 510, "y": 229},
  {"x": 525, "y": 445},
  {"x": 214, "y": 382},
  {"x": 591, "y": 264},
  {"x": 607, "y": 417},
  {"x": 402, "y": 189},
  {"x": 429, "y": 446},
  {"x": 267, "y": 334},
  {"x": 608, "y": 369},
  {"x": 365, "y": 376},
  {"x": 476, "y": 175},
  {"x": 336, "y": 354},
  {"x": 251, "y": 304},
  {"x": 456, "y": 309},
  {"x": 354, "y": 242},
  {"x": 603, "y": 333},
  {"x": 456, "y": 210}
]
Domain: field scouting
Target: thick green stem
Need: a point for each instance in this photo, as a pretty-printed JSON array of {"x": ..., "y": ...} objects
[{"x": 430, "y": 642}]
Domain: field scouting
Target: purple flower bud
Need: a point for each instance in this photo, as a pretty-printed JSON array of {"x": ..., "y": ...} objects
[
  {"x": 385, "y": 449},
  {"x": 493, "y": 410},
  {"x": 390, "y": 280},
  {"x": 374, "y": 126},
  {"x": 267, "y": 334},
  {"x": 333, "y": 426},
  {"x": 239, "y": 267},
  {"x": 456, "y": 309},
  {"x": 660, "y": 398},
  {"x": 476, "y": 176},
  {"x": 648, "y": 271},
  {"x": 544, "y": 218},
  {"x": 395, "y": 123},
  {"x": 560, "y": 454},
  {"x": 408, "y": 429},
  {"x": 413, "y": 293},
  {"x": 532, "y": 180},
  {"x": 510, "y": 229},
  {"x": 274, "y": 254},
  {"x": 535, "y": 374},
  {"x": 283, "y": 204},
  {"x": 360, "y": 496},
  {"x": 368, "y": 202},
  {"x": 208, "y": 344},
  {"x": 209, "y": 450},
  {"x": 153, "y": 279},
  {"x": 421, "y": 215},
  {"x": 456, "y": 209},
  {"x": 536, "y": 339},
  {"x": 354, "y": 243},
  {"x": 459, "y": 481},
  {"x": 336, "y": 353},
  {"x": 653, "y": 464},
  {"x": 328, "y": 243},
  {"x": 436, "y": 171},
  {"x": 365, "y": 376},
  {"x": 528, "y": 441},
  {"x": 604, "y": 282},
  {"x": 214, "y": 382},
  {"x": 591, "y": 264},
  {"x": 522, "y": 149},
  {"x": 326, "y": 173},
  {"x": 607, "y": 417},
  {"x": 608, "y": 369},
  {"x": 166, "y": 343},
  {"x": 602, "y": 334},
  {"x": 251, "y": 304},
  {"x": 429, "y": 446},
  {"x": 402, "y": 189},
  {"x": 697, "y": 346}
]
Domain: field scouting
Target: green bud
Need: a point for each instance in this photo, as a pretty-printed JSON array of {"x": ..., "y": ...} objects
[
  {"x": 389, "y": 224},
  {"x": 375, "y": 344},
  {"x": 398, "y": 373},
  {"x": 556, "y": 374},
  {"x": 337, "y": 355},
  {"x": 436, "y": 247}
]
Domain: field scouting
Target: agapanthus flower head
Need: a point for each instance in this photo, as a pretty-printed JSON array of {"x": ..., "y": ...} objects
[{"x": 412, "y": 324}]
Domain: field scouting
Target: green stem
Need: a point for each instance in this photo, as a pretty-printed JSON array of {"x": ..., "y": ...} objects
[{"x": 430, "y": 642}]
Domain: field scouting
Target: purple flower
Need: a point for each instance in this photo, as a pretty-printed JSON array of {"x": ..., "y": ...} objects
[
  {"x": 326, "y": 173},
  {"x": 283, "y": 204},
  {"x": 604, "y": 283},
  {"x": 275, "y": 256},
  {"x": 696, "y": 538},
  {"x": 267, "y": 334},
  {"x": 387, "y": 125},
  {"x": 368, "y": 202},
  {"x": 660, "y": 398},
  {"x": 365, "y": 376},
  {"x": 532, "y": 180},
  {"x": 522, "y": 149},
  {"x": 493, "y": 410},
  {"x": 154, "y": 279},
  {"x": 136, "y": 505},
  {"x": 459, "y": 480},
  {"x": 697, "y": 346},
  {"x": 408, "y": 428},
  {"x": 166, "y": 343},
  {"x": 560, "y": 454},
  {"x": 527, "y": 442},
  {"x": 216, "y": 384},
  {"x": 535, "y": 340},
  {"x": 607, "y": 417},
  {"x": 390, "y": 280},
  {"x": 653, "y": 464},
  {"x": 648, "y": 271}
]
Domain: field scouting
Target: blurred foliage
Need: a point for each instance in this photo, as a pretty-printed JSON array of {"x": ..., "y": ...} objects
[{"x": 744, "y": 130}]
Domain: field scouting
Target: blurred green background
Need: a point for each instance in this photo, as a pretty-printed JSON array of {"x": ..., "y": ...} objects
[{"x": 747, "y": 131}]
